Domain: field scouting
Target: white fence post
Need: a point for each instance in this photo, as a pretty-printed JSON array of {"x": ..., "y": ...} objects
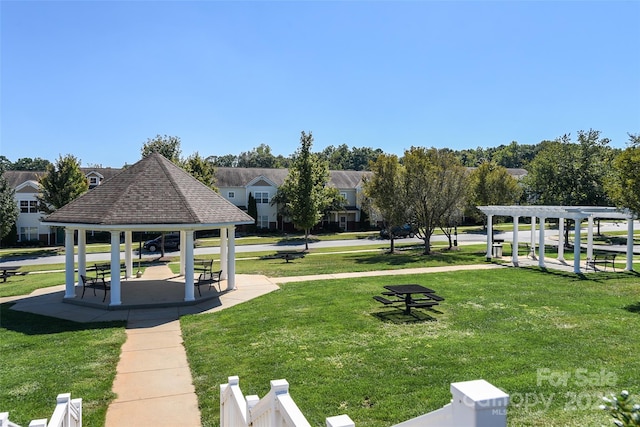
[
  {"x": 340, "y": 421},
  {"x": 38, "y": 423},
  {"x": 478, "y": 404}
]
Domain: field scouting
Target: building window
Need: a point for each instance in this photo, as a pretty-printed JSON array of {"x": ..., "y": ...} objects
[
  {"x": 231, "y": 195},
  {"x": 262, "y": 197},
  {"x": 28, "y": 206},
  {"x": 343, "y": 194},
  {"x": 93, "y": 181},
  {"x": 263, "y": 221},
  {"x": 28, "y": 233}
]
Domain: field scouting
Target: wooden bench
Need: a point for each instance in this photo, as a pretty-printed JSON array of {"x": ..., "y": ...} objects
[
  {"x": 602, "y": 258},
  {"x": 203, "y": 265}
]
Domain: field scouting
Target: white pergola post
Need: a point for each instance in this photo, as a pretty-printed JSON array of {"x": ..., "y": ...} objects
[
  {"x": 189, "y": 294},
  {"x": 576, "y": 246},
  {"x": 514, "y": 242},
  {"x": 231, "y": 261},
  {"x": 590, "y": 237},
  {"x": 223, "y": 253},
  {"x": 115, "y": 268},
  {"x": 128, "y": 254},
  {"x": 541, "y": 244},
  {"x": 69, "y": 277},
  {"x": 560, "y": 239},
  {"x": 533, "y": 237},
  {"x": 629, "y": 266},
  {"x": 82, "y": 253},
  {"x": 489, "y": 237}
]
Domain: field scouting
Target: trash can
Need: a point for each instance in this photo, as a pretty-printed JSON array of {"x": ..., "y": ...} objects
[{"x": 497, "y": 250}]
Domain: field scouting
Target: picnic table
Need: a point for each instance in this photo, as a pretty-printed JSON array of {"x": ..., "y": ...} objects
[
  {"x": 8, "y": 271},
  {"x": 406, "y": 294}
]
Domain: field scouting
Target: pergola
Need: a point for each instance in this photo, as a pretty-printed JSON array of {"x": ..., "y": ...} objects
[
  {"x": 151, "y": 195},
  {"x": 577, "y": 213}
]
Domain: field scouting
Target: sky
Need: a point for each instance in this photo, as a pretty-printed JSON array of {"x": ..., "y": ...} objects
[{"x": 97, "y": 79}]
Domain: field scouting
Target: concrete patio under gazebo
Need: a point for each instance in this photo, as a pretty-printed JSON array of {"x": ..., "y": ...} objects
[
  {"x": 152, "y": 195},
  {"x": 576, "y": 213}
]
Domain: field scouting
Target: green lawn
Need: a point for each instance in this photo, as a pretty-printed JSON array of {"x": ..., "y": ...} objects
[
  {"x": 41, "y": 357},
  {"x": 342, "y": 352}
]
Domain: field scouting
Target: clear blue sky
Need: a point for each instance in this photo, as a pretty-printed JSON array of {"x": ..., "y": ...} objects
[{"x": 98, "y": 78}]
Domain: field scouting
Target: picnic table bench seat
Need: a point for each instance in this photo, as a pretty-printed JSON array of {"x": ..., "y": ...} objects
[
  {"x": 422, "y": 304},
  {"x": 6, "y": 272}
]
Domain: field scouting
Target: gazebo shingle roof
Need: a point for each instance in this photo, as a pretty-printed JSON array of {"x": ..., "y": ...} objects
[{"x": 150, "y": 192}]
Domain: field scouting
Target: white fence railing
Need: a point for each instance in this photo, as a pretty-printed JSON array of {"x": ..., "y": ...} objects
[
  {"x": 275, "y": 409},
  {"x": 474, "y": 404},
  {"x": 68, "y": 413}
]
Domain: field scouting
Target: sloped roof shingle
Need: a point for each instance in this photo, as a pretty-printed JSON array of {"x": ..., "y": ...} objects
[{"x": 151, "y": 192}]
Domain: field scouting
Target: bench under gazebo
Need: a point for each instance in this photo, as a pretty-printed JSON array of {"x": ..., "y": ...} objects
[{"x": 152, "y": 195}]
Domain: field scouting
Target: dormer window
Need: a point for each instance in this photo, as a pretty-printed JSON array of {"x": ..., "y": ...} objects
[{"x": 93, "y": 181}]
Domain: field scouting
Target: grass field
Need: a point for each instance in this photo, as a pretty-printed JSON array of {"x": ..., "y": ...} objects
[
  {"x": 41, "y": 357},
  {"x": 342, "y": 352}
]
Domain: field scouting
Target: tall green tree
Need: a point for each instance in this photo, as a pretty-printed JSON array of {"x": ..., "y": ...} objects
[
  {"x": 491, "y": 184},
  {"x": 387, "y": 193},
  {"x": 168, "y": 146},
  {"x": 62, "y": 183},
  {"x": 8, "y": 207},
  {"x": 259, "y": 157},
  {"x": 29, "y": 164},
  {"x": 624, "y": 184},
  {"x": 201, "y": 169},
  {"x": 306, "y": 187},
  {"x": 436, "y": 182},
  {"x": 570, "y": 174},
  {"x": 252, "y": 208}
]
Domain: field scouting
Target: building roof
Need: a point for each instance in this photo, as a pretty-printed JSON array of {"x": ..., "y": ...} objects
[
  {"x": 241, "y": 177},
  {"x": 147, "y": 195},
  {"x": 15, "y": 178}
]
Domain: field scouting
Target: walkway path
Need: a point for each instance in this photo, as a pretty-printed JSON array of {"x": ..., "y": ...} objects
[{"x": 153, "y": 382}]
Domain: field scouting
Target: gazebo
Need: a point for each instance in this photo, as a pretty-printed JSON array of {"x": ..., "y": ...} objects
[
  {"x": 577, "y": 213},
  {"x": 152, "y": 195}
]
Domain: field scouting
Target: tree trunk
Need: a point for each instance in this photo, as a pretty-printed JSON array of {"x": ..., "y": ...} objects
[
  {"x": 427, "y": 245},
  {"x": 392, "y": 248},
  {"x": 306, "y": 239}
]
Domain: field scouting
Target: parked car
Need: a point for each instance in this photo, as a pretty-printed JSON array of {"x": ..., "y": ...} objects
[
  {"x": 402, "y": 231},
  {"x": 171, "y": 241}
]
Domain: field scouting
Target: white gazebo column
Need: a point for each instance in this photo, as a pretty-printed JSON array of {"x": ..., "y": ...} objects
[
  {"x": 514, "y": 241},
  {"x": 69, "y": 268},
  {"x": 128, "y": 254},
  {"x": 629, "y": 266},
  {"x": 590, "y": 237},
  {"x": 541, "y": 244},
  {"x": 82, "y": 253},
  {"x": 576, "y": 246},
  {"x": 489, "y": 237},
  {"x": 231, "y": 261},
  {"x": 560, "y": 239},
  {"x": 188, "y": 271},
  {"x": 115, "y": 268},
  {"x": 533, "y": 237},
  {"x": 223, "y": 253},
  {"x": 183, "y": 245}
]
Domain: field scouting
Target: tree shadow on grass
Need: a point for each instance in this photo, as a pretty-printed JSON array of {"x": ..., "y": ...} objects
[
  {"x": 598, "y": 276},
  {"x": 416, "y": 257},
  {"x": 35, "y": 324},
  {"x": 633, "y": 308}
]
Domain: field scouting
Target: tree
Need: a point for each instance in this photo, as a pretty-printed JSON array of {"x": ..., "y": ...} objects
[
  {"x": 61, "y": 183},
  {"x": 226, "y": 161},
  {"x": 491, "y": 184},
  {"x": 259, "y": 157},
  {"x": 168, "y": 146},
  {"x": 570, "y": 174},
  {"x": 306, "y": 187},
  {"x": 201, "y": 169},
  {"x": 387, "y": 193},
  {"x": 624, "y": 184},
  {"x": 436, "y": 182},
  {"x": 8, "y": 207},
  {"x": 28, "y": 164}
]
